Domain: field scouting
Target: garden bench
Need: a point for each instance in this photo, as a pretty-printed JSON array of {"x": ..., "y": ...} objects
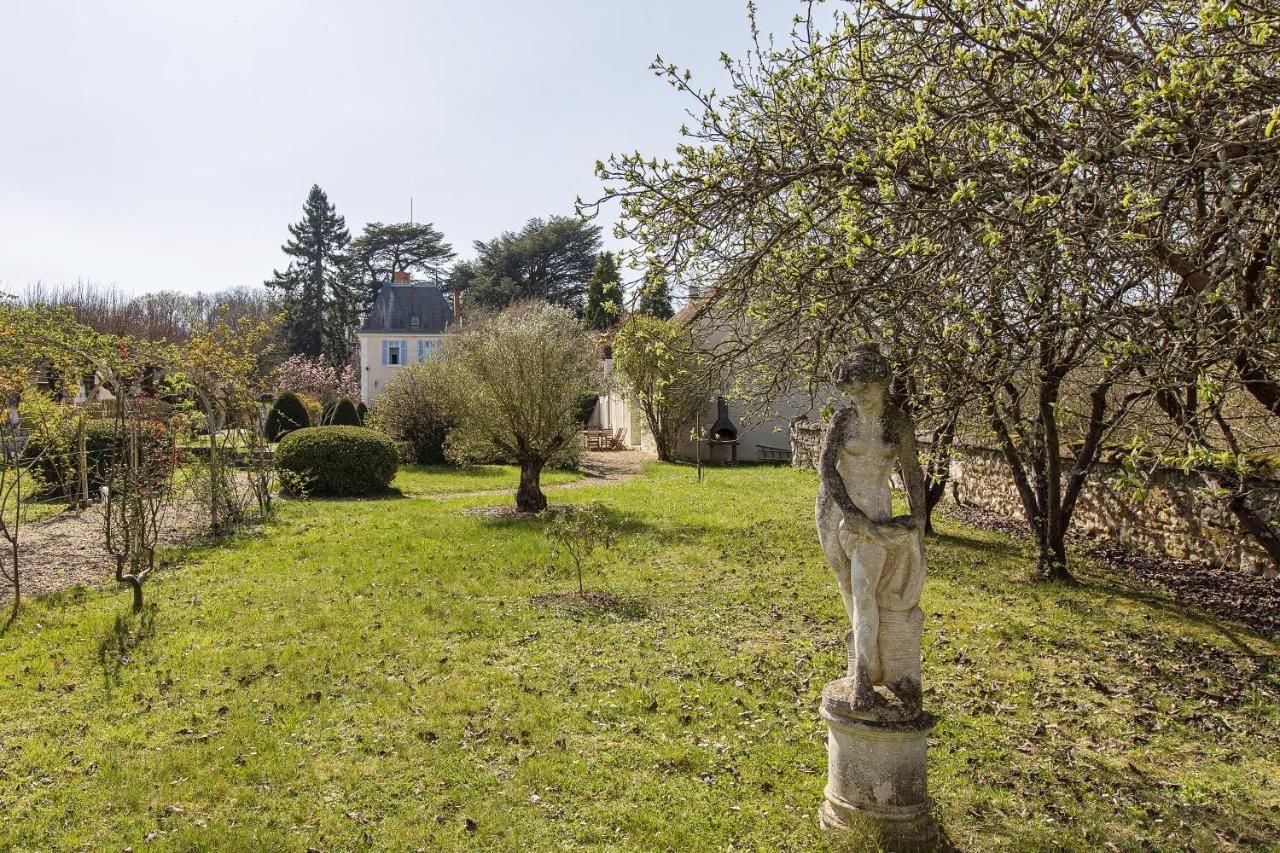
[{"x": 773, "y": 454}]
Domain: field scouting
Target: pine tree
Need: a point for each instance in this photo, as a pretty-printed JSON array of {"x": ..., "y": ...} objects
[
  {"x": 548, "y": 259},
  {"x": 316, "y": 285},
  {"x": 655, "y": 296},
  {"x": 383, "y": 250},
  {"x": 604, "y": 294}
]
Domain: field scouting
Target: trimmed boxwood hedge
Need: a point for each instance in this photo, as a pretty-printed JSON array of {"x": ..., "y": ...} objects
[
  {"x": 342, "y": 414},
  {"x": 287, "y": 413},
  {"x": 337, "y": 460}
]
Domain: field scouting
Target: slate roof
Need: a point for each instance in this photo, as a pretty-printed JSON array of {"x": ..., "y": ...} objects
[{"x": 396, "y": 304}]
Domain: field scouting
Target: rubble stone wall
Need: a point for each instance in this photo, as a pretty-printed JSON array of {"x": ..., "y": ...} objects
[{"x": 1178, "y": 518}]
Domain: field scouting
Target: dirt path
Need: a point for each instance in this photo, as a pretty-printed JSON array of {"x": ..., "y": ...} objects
[
  {"x": 599, "y": 469},
  {"x": 69, "y": 548}
]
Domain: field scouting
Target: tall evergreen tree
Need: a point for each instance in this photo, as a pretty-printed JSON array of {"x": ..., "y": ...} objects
[
  {"x": 317, "y": 283},
  {"x": 655, "y": 295},
  {"x": 383, "y": 250},
  {"x": 604, "y": 294},
  {"x": 549, "y": 259}
]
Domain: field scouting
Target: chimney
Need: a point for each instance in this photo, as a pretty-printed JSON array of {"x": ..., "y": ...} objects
[
  {"x": 457, "y": 307},
  {"x": 399, "y": 277}
]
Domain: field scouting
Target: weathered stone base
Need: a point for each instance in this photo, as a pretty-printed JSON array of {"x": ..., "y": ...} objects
[{"x": 877, "y": 778}]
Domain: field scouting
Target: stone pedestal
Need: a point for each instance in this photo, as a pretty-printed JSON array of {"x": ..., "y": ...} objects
[{"x": 876, "y": 774}]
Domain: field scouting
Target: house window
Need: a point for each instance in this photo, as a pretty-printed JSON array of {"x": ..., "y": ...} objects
[
  {"x": 393, "y": 353},
  {"x": 415, "y": 320}
]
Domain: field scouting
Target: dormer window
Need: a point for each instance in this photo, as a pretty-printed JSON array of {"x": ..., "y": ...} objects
[{"x": 415, "y": 320}]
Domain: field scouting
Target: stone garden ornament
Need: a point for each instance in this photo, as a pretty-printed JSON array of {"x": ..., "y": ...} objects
[{"x": 878, "y": 730}]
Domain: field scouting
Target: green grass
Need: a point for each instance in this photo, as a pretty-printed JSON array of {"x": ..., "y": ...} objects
[
  {"x": 447, "y": 479},
  {"x": 380, "y": 673},
  {"x": 42, "y": 509}
]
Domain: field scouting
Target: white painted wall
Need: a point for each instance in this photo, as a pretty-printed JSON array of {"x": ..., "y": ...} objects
[
  {"x": 374, "y": 375},
  {"x": 755, "y": 433},
  {"x": 614, "y": 411}
]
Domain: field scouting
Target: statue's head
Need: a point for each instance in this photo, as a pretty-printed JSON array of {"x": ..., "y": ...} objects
[{"x": 865, "y": 365}]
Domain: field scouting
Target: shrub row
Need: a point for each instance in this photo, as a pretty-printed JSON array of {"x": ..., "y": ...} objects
[{"x": 58, "y": 460}]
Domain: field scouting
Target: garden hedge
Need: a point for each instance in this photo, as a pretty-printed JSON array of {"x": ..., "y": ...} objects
[
  {"x": 287, "y": 413},
  {"x": 337, "y": 460}
]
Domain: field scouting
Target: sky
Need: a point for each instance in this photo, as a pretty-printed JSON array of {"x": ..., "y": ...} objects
[{"x": 167, "y": 144}]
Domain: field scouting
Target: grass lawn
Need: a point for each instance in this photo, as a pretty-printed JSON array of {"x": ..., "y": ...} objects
[
  {"x": 446, "y": 479},
  {"x": 381, "y": 673}
]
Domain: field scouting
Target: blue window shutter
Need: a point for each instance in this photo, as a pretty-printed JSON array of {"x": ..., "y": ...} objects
[
  {"x": 421, "y": 349},
  {"x": 386, "y": 358},
  {"x": 404, "y": 351}
]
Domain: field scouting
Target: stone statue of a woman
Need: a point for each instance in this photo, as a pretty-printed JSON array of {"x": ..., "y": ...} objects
[{"x": 878, "y": 558}]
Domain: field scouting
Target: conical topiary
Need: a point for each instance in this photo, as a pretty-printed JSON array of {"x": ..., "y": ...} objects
[
  {"x": 344, "y": 414},
  {"x": 363, "y": 411},
  {"x": 287, "y": 413}
]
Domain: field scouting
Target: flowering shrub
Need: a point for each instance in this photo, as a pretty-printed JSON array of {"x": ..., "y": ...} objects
[{"x": 315, "y": 377}]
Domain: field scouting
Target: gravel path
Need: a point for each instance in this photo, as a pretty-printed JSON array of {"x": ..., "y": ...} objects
[
  {"x": 68, "y": 549},
  {"x": 599, "y": 469}
]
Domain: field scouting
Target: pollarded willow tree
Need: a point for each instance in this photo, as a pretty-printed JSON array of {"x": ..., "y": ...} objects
[
  {"x": 518, "y": 378},
  {"x": 1045, "y": 200}
]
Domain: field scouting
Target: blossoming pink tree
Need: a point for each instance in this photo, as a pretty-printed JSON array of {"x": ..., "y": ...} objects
[{"x": 316, "y": 377}]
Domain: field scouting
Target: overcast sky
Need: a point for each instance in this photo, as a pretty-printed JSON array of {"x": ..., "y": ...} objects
[{"x": 166, "y": 143}]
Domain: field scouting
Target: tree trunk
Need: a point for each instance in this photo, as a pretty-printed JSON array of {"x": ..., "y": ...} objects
[
  {"x": 17, "y": 580},
  {"x": 937, "y": 472},
  {"x": 136, "y": 585},
  {"x": 529, "y": 497},
  {"x": 1051, "y": 552},
  {"x": 210, "y": 422},
  {"x": 1254, "y": 525}
]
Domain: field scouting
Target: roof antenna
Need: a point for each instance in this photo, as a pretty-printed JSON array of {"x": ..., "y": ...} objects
[{"x": 410, "y": 210}]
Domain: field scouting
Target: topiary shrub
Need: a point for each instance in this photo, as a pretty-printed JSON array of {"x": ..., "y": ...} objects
[
  {"x": 344, "y": 414},
  {"x": 337, "y": 460},
  {"x": 287, "y": 413},
  {"x": 315, "y": 409},
  {"x": 363, "y": 411}
]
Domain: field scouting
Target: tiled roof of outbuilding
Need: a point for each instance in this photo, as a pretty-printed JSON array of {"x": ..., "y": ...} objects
[{"x": 397, "y": 304}]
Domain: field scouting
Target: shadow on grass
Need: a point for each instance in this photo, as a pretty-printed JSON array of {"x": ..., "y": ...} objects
[
  {"x": 626, "y": 523},
  {"x": 118, "y": 646},
  {"x": 476, "y": 471},
  {"x": 1002, "y": 546},
  {"x": 1163, "y": 601},
  {"x": 595, "y": 605},
  {"x": 391, "y": 494}
]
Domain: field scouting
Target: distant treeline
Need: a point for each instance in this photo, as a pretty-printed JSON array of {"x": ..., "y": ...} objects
[{"x": 162, "y": 315}]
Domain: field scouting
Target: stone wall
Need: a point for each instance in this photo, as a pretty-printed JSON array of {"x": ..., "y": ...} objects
[
  {"x": 1177, "y": 519},
  {"x": 806, "y": 441}
]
